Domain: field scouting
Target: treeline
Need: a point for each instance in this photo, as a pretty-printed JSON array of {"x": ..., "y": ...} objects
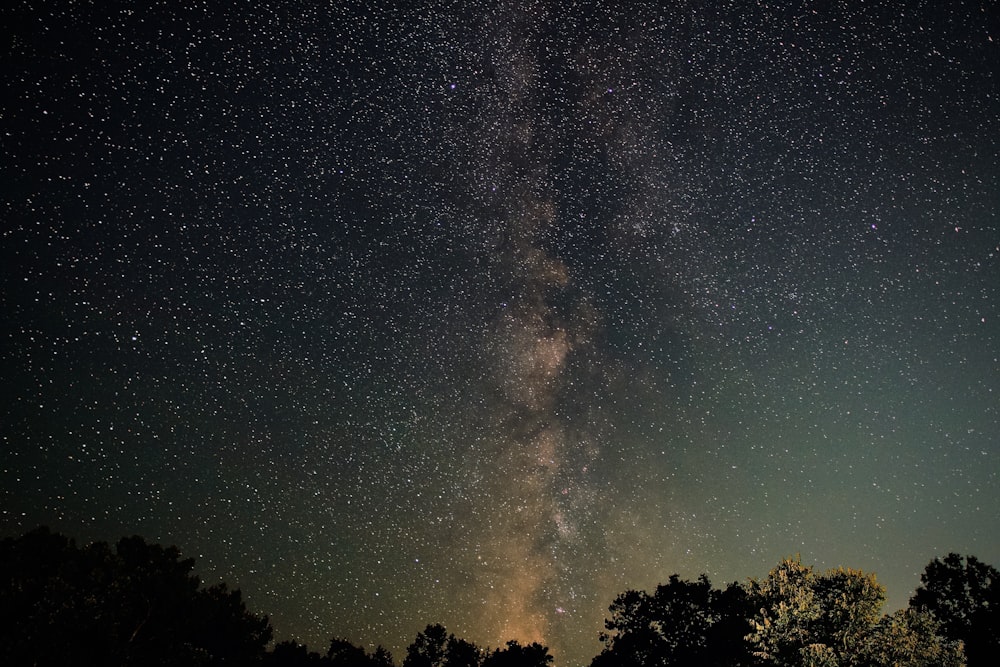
[
  {"x": 140, "y": 604},
  {"x": 433, "y": 647}
]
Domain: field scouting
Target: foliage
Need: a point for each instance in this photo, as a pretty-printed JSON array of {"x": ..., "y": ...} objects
[
  {"x": 428, "y": 649},
  {"x": 833, "y": 620},
  {"x": 434, "y": 647},
  {"x": 293, "y": 654},
  {"x": 910, "y": 638},
  {"x": 787, "y": 612},
  {"x": 849, "y": 602},
  {"x": 138, "y": 604},
  {"x": 682, "y": 622},
  {"x": 515, "y": 655},
  {"x": 963, "y": 595},
  {"x": 461, "y": 653},
  {"x": 341, "y": 653}
]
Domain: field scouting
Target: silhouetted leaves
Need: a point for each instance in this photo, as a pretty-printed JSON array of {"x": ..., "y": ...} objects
[
  {"x": 428, "y": 649},
  {"x": 140, "y": 604},
  {"x": 341, "y": 653},
  {"x": 293, "y": 654},
  {"x": 964, "y": 596},
  {"x": 515, "y": 655},
  {"x": 682, "y": 622},
  {"x": 461, "y": 653},
  {"x": 63, "y": 605}
]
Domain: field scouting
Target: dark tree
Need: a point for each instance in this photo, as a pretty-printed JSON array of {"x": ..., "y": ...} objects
[
  {"x": 428, "y": 649},
  {"x": 222, "y": 626},
  {"x": 461, "y": 653},
  {"x": 725, "y": 640},
  {"x": 434, "y": 647},
  {"x": 963, "y": 595},
  {"x": 343, "y": 653},
  {"x": 49, "y": 601},
  {"x": 682, "y": 622},
  {"x": 293, "y": 654},
  {"x": 381, "y": 657},
  {"x": 515, "y": 655},
  {"x": 231, "y": 633},
  {"x": 61, "y": 605}
]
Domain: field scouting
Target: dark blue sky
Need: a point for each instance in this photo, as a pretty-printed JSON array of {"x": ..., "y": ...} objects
[{"x": 481, "y": 314}]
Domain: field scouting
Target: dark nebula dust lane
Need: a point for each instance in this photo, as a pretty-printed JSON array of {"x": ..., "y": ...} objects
[{"x": 482, "y": 313}]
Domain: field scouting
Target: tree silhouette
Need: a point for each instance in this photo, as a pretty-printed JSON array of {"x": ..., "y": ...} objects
[
  {"x": 428, "y": 649},
  {"x": 434, "y": 647},
  {"x": 963, "y": 594},
  {"x": 293, "y": 654},
  {"x": 48, "y": 603},
  {"x": 223, "y": 626},
  {"x": 461, "y": 653},
  {"x": 381, "y": 657},
  {"x": 515, "y": 655},
  {"x": 726, "y": 644},
  {"x": 343, "y": 653},
  {"x": 62, "y": 605},
  {"x": 140, "y": 604},
  {"x": 682, "y": 622}
]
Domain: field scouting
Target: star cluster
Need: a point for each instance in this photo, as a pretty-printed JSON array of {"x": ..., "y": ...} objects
[{"x": 481, "y": 313}]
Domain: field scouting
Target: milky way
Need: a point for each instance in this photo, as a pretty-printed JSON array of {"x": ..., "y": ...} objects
[{"x": 481, "y": 314}]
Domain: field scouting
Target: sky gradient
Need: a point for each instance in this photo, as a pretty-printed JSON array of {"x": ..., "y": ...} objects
[{"x": 480, "y": 314}]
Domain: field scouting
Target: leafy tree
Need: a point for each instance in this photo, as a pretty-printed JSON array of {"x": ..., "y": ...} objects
[
  {"x": 963, "y": 595},
  {"x": 381, "y": 657},
  {"x": 461, "y": 653},
  {"x": 515, "y": 655},
  {"x": 818, "y": 655},
  {"x": 434, "y": 647},
  {"x": 725, "y": 644},
  {"x": 63, "y": 605},
  {"x": 782, "y": 627},
  {"x": 428, "y": 649},
  {"x": 343, "y": 653},
  {"x": 224, "y": 627},
  {"x": 682, "y": 622},
  {"x": 909, "y": 638},
  {"x": 850, "y": 602},
  {"x": 833, "y": 620},
  {"x": 805, "y": 619},
  {"x": 292, "y": 654},
  {"x": 632, "y": 639},
  {"x": 48, "y": 604}
]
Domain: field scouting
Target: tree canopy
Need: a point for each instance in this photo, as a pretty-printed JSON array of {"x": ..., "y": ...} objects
[
  {"x": 140, "y": 604},
  {"x": 963, "y": 595},
  {"x": 682, "y": 622},
  {"x": 833, "y": 619},
  {"x": 136, "y": 604}
]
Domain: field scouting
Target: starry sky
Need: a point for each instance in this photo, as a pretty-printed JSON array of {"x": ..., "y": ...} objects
[{"x": 483, "y": 313}]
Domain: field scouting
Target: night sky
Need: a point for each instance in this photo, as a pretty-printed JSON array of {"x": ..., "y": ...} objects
[{"x": 482, "y": 314}]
